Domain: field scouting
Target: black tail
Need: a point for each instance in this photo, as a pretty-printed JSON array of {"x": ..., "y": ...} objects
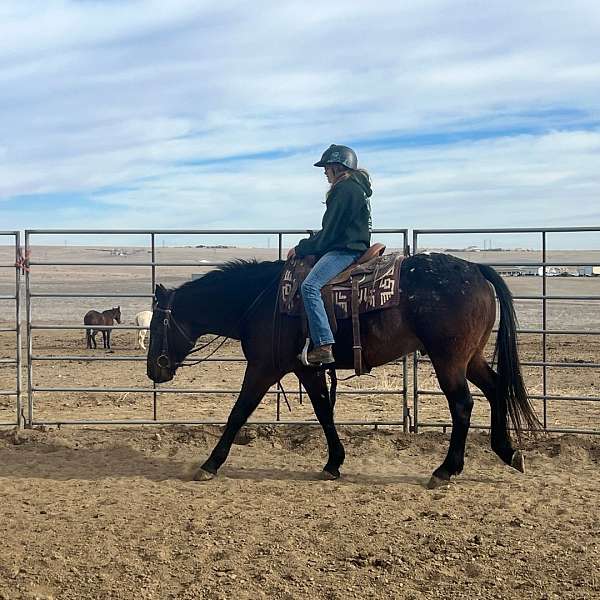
[{"x": 511, "y": 389}]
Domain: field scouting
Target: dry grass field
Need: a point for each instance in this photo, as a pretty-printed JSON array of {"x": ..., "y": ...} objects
[{"x": 109, "y": 512}]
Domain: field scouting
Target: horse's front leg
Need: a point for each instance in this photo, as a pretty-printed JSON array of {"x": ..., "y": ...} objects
[
  {"x": 316, "y": 387},
  {"x": 256, "y": 384},
  {"x": 106, "y": 338}
]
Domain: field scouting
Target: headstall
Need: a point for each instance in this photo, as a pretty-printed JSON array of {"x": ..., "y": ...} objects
[{"x": 163, "y": 360}]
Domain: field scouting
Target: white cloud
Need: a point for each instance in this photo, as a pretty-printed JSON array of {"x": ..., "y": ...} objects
[{"x": 104, "y": 94}]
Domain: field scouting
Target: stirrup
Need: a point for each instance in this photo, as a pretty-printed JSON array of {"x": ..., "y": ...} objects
[{"x": 303, "y": 356}]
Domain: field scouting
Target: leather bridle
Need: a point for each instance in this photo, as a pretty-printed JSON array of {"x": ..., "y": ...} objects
[{"x": 163, "y": 360}]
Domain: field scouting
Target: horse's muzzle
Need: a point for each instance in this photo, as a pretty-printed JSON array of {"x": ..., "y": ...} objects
[{"x": 159, "y": 373}]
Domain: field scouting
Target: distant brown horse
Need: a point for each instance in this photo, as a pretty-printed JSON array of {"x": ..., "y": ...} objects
[
  {"x": 106, "y": 317},
  {"x": 447, "y": 309}
]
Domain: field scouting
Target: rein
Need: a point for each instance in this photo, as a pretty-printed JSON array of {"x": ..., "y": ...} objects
[{"x": 204, "y": 358}]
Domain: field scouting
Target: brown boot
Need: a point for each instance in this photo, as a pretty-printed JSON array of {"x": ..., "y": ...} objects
[{"x": 321, "y": 355}]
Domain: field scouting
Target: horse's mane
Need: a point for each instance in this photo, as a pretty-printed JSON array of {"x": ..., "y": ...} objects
[
  {"x": 238, "y": 265},
  {"x": 239, "y": 271}
]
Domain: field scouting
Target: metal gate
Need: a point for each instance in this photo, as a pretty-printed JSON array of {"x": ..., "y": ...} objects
[
  {"x": 543, "y": 267},
  {"x": 415, "y": 421},
  {"x": 10, "y": 328},
  {"x": 35, "y": 324}
]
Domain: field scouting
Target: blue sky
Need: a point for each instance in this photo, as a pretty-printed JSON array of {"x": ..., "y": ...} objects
[{"x": 209, "y": 115}]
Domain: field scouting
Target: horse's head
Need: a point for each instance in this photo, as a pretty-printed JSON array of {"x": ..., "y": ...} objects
[
  {"x": 171, "y": 337},
  {"x": 116, "y": 313}
]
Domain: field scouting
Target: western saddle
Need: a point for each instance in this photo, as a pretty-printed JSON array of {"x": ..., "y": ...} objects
[{"x": 369, "y": 284}]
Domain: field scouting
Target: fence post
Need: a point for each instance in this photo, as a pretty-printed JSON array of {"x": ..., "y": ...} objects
[
  {"x": 18, "y": 328},
  {"x": 153, "y": 258},
  {"x": 28, "y": 316}
]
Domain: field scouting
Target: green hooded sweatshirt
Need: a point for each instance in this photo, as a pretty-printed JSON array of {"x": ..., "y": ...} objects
[{"x": 347, "y": 221}]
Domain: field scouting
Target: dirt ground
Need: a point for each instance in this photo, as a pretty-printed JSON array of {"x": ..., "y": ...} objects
[
  {"x": 91, "y": 513},
  {"x": 109, "y": 512}
]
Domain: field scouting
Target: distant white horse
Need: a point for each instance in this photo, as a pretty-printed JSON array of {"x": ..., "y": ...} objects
[{"x": 142, "y": 319}]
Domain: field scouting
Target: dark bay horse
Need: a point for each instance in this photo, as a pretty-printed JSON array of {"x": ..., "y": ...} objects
[
  {"x": 447, "y": 310},
  {"x": 106, "y": 317}
]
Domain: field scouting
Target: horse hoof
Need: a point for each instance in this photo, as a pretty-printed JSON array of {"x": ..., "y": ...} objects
[
  {"x": 329, "y": 476},
  {"x": 518, "y": 461},
  {"x": 202, "y": 475},
  {"x": 437, "y": 482}
]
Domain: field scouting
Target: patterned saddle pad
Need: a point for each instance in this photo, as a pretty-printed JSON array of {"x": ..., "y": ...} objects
[{"x": 378, "y": 286}]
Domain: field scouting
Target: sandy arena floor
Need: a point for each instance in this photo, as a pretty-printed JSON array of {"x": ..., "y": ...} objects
[
  {"x": 109, "y": 512},
  {"x": 90, "y": 513}
]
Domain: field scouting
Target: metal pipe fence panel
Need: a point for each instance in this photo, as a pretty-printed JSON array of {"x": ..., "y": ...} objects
[
  {"x": 59, "y": 280},
  {"x": 10, "y": 329},
  {"x": 578, "y": 316},
  {"x": 541, "y": 366}
]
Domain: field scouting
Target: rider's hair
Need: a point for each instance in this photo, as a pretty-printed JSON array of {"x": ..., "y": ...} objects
[{"x": 341, "y": 172}]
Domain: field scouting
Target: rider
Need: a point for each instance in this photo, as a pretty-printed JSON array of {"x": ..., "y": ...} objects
[{"x": 345, "y": 235}]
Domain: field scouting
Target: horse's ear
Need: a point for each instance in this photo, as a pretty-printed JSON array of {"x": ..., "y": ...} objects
[{"x": 160, "y": 291}]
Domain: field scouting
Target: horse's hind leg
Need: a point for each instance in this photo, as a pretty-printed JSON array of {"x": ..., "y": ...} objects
[
  {"x": 255, "y": 386},
  {"x": 88, "y": 338},
  {"x": 453, "y": 382},
  {"x": 316, "y": 387},
  {"x": 482, "y": 375}
]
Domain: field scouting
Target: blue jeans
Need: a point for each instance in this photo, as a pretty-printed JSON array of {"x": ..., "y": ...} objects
[{"x": 327, "y": 267}]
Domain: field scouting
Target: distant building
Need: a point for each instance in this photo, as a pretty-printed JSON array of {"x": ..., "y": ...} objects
[
  {"x": 517, "y": 271},
  {"x": 527, "y": 271},
  {"x": 552, "y": 271},
  {"x": 509, "y": 271},
  {"x": 588, "y": 271}
]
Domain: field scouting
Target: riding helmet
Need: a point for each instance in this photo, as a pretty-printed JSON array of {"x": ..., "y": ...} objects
[{"x": 338, "y": 155}]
